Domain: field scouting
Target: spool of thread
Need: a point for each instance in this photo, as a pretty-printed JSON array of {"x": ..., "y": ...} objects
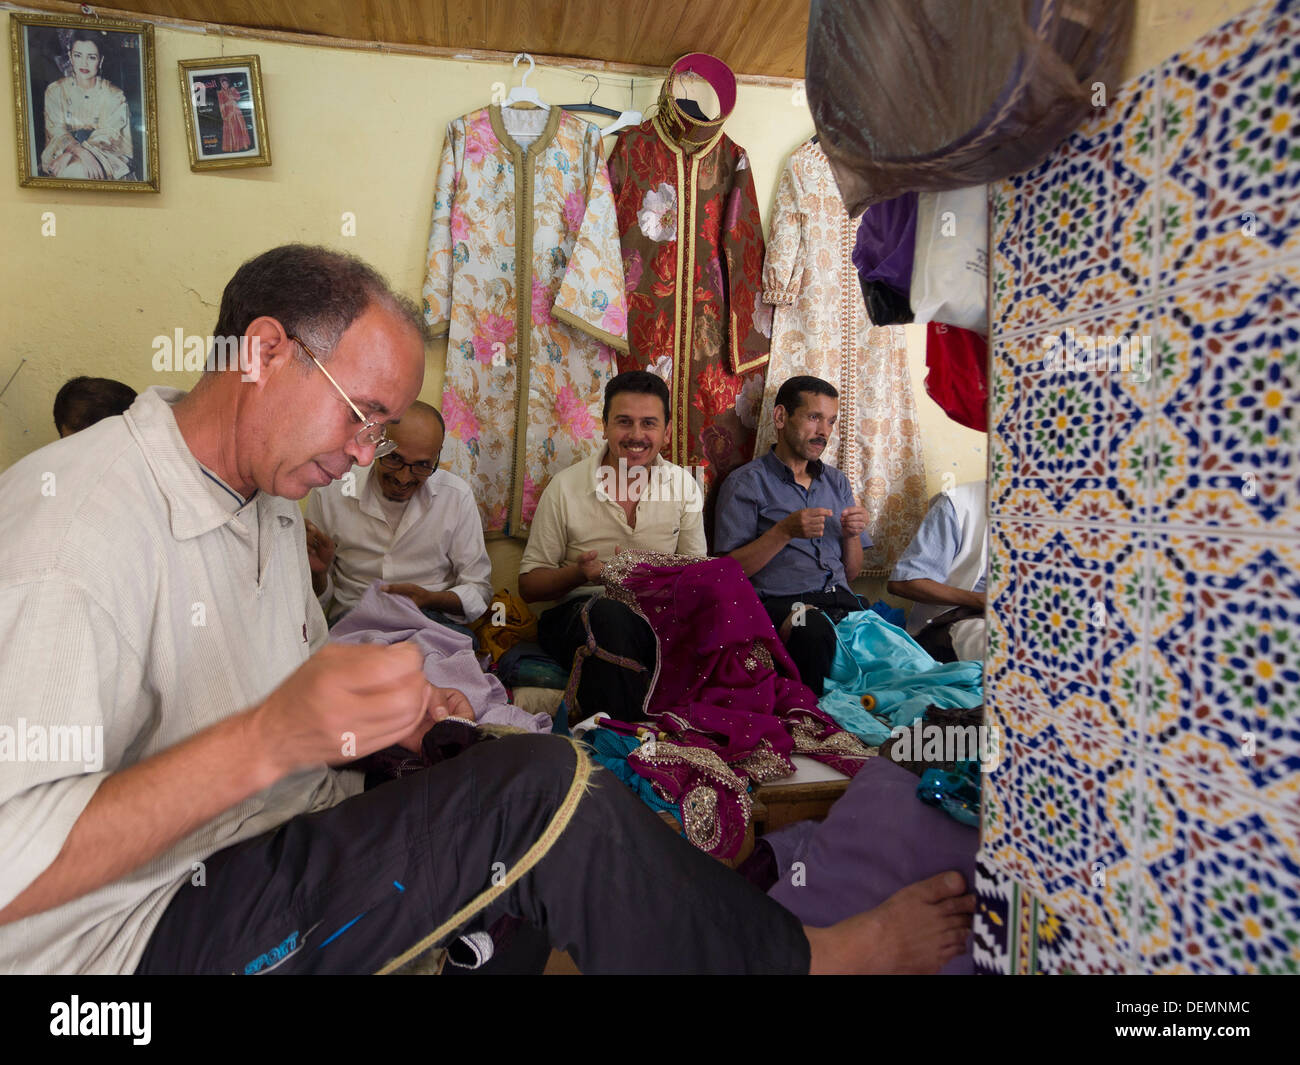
[{"x": 869, "y": 702}]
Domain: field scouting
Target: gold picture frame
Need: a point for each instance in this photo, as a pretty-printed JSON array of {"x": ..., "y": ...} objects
[
  {"x": 225, "y": 113},
  {"x": 85, "y": 107}
]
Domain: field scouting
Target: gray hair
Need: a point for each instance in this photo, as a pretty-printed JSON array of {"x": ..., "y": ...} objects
[{"x": 314, "y": 292}]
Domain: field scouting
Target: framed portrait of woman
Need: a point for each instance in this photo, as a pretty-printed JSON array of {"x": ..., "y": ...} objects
[
  {"x": 84, "y": 102},
  {"x": 225, "y": 115}
]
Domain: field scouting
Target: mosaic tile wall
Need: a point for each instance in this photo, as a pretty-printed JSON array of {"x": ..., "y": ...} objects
[{"x": 1144, "y": 654}]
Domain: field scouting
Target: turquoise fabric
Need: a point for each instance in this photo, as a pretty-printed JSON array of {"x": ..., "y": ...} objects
[
  {"x": 611, "y": 750},
  {"x": 877, "y": 658}
]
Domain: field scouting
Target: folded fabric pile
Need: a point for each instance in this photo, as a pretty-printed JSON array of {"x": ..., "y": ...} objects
[{"x": 881, "y": 679}]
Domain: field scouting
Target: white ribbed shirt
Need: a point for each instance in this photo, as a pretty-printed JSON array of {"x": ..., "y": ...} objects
[{"x": 437, "y": 542}]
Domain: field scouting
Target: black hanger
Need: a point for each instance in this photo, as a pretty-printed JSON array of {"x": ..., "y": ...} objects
[
  {"x": 692, "y": 109},
  {"x": 589, "y": 107}
]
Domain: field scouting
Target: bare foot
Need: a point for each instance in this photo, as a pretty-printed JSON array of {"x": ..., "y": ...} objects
[{"x": 916, "y": 930}]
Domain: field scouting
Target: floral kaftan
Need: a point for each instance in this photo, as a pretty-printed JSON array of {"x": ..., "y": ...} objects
[
  {"x": 693, "y": 260},
  {"x": 821, "y": 328},
  {"x": 518, "y": 412}
]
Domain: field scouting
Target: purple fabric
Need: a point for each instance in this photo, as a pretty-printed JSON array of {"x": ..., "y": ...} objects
[
  {"x": 708, "y": 620},
  {"x": 886, "y": 242},
  {"x": 879, "y": 837},
  {"x": 449, "y": 660}
]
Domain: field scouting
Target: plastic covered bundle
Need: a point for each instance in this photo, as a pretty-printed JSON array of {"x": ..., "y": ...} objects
[{"x": 941, "y": 94}]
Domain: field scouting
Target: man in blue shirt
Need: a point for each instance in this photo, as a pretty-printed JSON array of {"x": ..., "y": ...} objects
[{"x": 793, "y": 525}]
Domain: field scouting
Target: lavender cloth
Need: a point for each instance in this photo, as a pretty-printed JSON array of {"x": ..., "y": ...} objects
[
  {"x": 878, "y": 838},
  {"x": 886, "y": 242},
  {"x": 449, "y": 660}
]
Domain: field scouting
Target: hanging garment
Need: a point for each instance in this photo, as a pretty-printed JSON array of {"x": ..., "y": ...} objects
[
  {"x": 882, "y": 254},
  {"x": 523, "y": 245},
  {"x": 886, "y": 242},
  {"x": 909, "y": 95},
  {"x": 821, "y": 328},
  {"x": 957, "y": 362},
  {"x": 693, "y": 259},
  {"x": 884, "y": 305},
  {"x": 950, "y": 263}
]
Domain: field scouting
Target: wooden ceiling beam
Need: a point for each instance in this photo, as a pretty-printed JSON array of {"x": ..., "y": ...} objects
[{"x": 684, "y": 38}]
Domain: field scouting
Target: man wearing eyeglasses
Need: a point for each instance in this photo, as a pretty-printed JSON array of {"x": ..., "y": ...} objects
[
  {"x": 156, "y": 606},
  {"x": 405, "y": 522}
]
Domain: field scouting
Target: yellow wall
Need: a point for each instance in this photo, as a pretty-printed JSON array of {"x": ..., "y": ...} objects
[{"x": 349, "y": 132}]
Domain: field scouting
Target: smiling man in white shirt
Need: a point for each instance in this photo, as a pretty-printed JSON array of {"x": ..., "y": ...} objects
[
  {"x": 406, "y": 522},
  {"x": 626, "y": 496}
]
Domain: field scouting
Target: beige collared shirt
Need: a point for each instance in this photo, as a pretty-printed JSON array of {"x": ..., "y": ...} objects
[
  {"x": 137, "y": 603},
  {"x": 437, "y": 543},
  {"x": 578, "y": 513}
]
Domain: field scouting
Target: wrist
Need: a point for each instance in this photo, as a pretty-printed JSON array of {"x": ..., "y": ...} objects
[{"x": 262, "y": 757}]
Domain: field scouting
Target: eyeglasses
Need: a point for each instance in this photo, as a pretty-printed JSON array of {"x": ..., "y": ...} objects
[
  {"x": 393, "y": 463},
  {"x": 371, "y": 433}
]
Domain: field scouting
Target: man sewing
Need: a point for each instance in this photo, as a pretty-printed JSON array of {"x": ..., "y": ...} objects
[
  {"x": 626, "y": 496},
  {"x": 792, "y": 523},
  {"x": 161, "y": 595},
  {"x": 406, "y": 522}
]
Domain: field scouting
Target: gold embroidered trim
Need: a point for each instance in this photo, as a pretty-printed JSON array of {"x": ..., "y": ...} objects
[
  {"x": 840, "y": 744},
  {"x": 560, "y": 314},
  {"x": 525, "y": 160},
  {"x": 699, "y": 805},
  {"x": 763, "y": 765}
]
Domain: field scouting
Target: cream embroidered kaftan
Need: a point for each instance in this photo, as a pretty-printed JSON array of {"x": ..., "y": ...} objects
[
  {"x": 821, "y": 328},
  {"x": 517, "y": 413}
]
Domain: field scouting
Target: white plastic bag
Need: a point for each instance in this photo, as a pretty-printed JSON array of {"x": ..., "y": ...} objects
[{"x": 950, "y": 268}]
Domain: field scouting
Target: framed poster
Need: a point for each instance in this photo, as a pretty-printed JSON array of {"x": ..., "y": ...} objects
[
  {"x": 85, "y": 110},
  {"x": 225, "y": 116}
]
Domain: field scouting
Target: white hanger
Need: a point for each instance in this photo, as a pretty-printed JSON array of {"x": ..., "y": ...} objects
[
  {"x": 626, "y": 119},
  {"x": 522, "y": 94}
]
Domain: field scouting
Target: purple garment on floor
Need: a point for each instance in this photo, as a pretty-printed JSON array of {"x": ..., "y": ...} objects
[
  {"x": 886, "y": 242},
  {"x": 879, "y": 837},
  {"x": 449, "y": 661}
]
